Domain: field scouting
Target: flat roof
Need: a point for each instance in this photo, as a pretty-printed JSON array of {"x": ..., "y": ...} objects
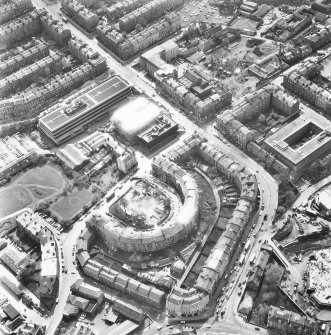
[
  {"x": 278, "y": 143},
  {"x": 92, "y": 98},
  {"x": 162, "y": 124},
  {"x": 123, "y": 328}
]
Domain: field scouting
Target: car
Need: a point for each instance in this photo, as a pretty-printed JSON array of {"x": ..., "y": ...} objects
[
  {"x": 257, "y": 328},
  {"x": 183, "y": 321}
]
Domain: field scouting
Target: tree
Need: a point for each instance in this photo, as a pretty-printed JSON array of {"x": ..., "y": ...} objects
[
  {"x": 273, "y": 273},
  {"x": 66, "y": 224},
  {"x": 26, "y": 272},
  {"x": 42, "y": 206},
  {"x": 268, "y": 297}
]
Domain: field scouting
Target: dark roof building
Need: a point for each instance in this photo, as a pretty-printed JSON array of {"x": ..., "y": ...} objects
[
  {"x": 128, "y": 310},
  {"x": 11, "y": 311},
  {"x": 158, "y": 132}
]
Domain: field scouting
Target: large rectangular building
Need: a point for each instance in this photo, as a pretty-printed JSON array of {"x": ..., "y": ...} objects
[
  {"x": 66, "y": 122},
  {"x": 302, "y": 141}
]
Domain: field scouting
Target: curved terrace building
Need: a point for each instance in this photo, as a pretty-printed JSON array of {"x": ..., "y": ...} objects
[
  {"x": 176, "y": 227},
  {"x": 188, "y": 302}
]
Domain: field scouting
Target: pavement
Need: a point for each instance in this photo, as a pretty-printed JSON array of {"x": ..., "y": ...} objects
[{"x": 267, "y": 184}]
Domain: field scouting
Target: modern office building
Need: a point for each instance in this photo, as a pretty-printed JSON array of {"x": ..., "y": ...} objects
[
  {"x": 302, "y": 141},
  {"x": 67, "y": 122}
]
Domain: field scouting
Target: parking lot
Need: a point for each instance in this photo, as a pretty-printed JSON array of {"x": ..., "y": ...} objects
[{"x": 200, "y": 11}]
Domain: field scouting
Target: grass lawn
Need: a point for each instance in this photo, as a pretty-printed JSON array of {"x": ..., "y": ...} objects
[
  {"x": 40, "y": 192},
  {"x": 67, "y": 207},
  {"x": 13, "y": 199},
  {"x": 43, "y": 176}
]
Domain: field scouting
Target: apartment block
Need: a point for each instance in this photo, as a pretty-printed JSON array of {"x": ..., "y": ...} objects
[
  {"x": 128, "y": 47},
  {"x": 22, "y": 56},
  {"x": 15, "y": 9},
  {"x": 55, "y": 30},
  {"x": 146, "y": 13},
  {"x": 79, "y": 13},
  {"x": 20, "y": 29},
  {"x": 26, "y": 75}
]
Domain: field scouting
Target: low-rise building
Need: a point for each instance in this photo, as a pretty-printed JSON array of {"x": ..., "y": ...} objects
[
  {"x": 128, "y": 310},
  {"x": 255, "y": 278},
  {"x": 36, "y": 229},
  {"x": 281, "y": 321},
  {"x": 323, "y": 6},
  {"x": 125, "y": 157}
]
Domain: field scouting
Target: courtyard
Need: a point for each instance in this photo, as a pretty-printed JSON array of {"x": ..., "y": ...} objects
[{"x": 144, "y": 205}]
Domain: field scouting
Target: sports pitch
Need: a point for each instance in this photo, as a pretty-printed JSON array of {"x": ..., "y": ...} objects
[{"x": 69, "y": 206}]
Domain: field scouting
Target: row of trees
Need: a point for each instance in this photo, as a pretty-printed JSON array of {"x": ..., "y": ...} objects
[{"x": 26, "y": 126}]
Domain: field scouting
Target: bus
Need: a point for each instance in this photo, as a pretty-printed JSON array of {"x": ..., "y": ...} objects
[
  {"x": 253, "y": 259},
  {"x": 247, "y": 245},
  {"x": 111, "y": 196},
  {"x": 242, "y": 259}
]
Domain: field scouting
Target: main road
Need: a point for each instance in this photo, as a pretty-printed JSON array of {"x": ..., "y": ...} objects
[{"x": 267, "y": 184}]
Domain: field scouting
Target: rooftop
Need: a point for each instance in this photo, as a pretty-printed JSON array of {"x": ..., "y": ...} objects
[
  {"x": 87, "y": 101},
  {"x": 283, "y": 140},
  {"x": 136, "y": 115}
]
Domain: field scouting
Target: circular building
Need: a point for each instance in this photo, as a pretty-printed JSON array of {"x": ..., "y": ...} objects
[{"x": 134, "y": 117}]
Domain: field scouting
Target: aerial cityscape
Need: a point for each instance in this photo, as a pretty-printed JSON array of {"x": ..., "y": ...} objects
[{"x": 165, "y": 167}]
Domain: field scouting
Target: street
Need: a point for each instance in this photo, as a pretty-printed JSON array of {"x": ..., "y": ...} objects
[{"x": 268, "y": 188}]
